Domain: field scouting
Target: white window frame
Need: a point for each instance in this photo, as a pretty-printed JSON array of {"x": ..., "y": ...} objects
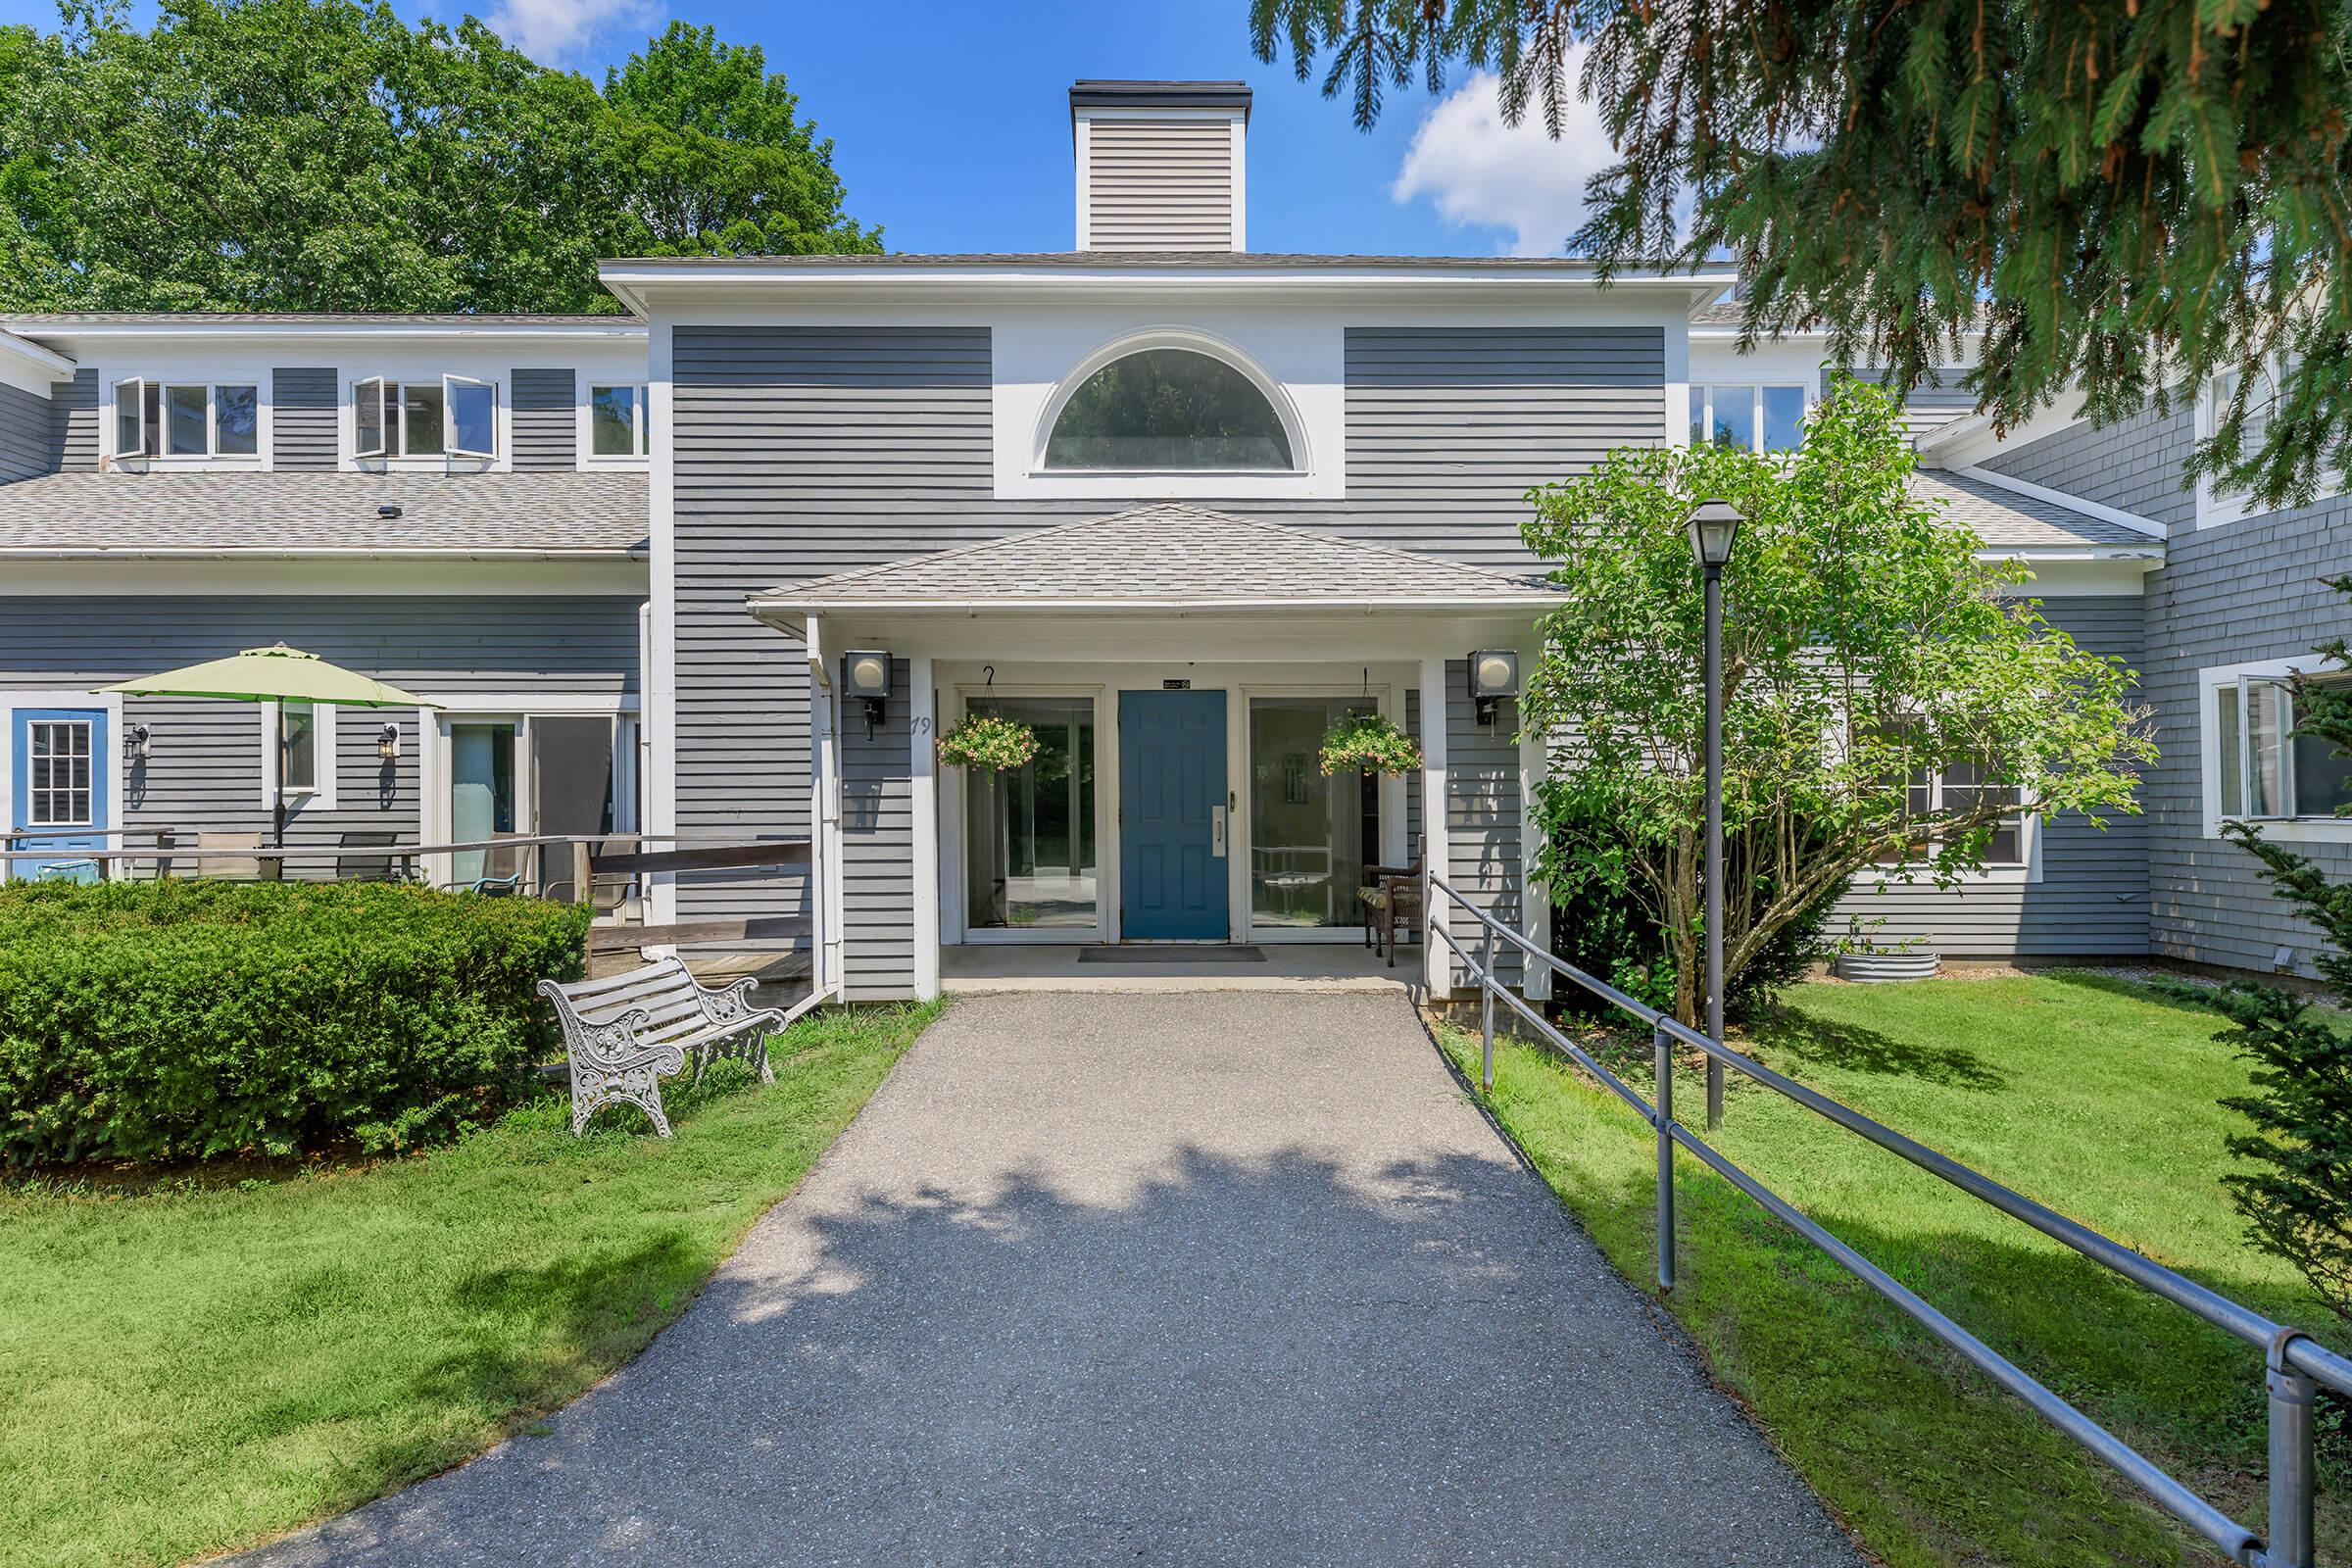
[
  {"x": 1705, "y": 392},
  {"x": 2287, "y": 825},
  {"x": 130, "y": 396},
  {"x": 643, "y": 448},
  {"x": 2216, "y": 508},
  {"x": 360, "y": 389},
  {"x": 393, "y": 421},
  {"x": 320, "y": 797},
  {"x": 135, "y": 386},
  {"x": 2027, "y": 869},
  {"x": 449, "y": 417}
]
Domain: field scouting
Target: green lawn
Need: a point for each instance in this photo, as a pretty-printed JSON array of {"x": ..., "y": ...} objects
[
  {"x": 192, "y": 1369},
  {"x": 2090, "y": 1094}
]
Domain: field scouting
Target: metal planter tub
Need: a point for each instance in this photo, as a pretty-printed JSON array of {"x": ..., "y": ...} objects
[{"x": 1881, "y": 968}]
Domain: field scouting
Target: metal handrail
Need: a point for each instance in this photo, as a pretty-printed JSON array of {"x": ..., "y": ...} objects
[{"x": 2294, "y": 1364}]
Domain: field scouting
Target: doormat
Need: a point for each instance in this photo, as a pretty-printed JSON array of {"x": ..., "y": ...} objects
[{"x": 1171, "y": 955}]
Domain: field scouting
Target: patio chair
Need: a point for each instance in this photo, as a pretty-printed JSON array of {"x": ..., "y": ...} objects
[
  {"x": 368, "y": 868},
  {"x": 1391, "y": 899},
  {"x": 500, "y": 874}
]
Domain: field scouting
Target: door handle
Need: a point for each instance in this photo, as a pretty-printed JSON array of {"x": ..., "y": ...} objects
[{"x": 1216, "y": 831}]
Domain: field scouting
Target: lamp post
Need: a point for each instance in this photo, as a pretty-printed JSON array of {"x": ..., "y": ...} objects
[{"x": 1713, "y": 525}]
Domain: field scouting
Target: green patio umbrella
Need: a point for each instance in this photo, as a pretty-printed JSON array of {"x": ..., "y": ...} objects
[{"x": 273, "y": 674}]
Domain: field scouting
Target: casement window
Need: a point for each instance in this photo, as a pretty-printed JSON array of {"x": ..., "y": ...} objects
[
  {"x": 186, "y": 419},
  {"x": 2262, "y": 769},
  {"x": 455, "y": 415},
  {"x": 1753, "y": 419},
  {"x": 617, "y": 421}
]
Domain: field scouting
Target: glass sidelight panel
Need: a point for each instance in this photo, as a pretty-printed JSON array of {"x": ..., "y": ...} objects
[
  {"x": 481, "y": 794},
  {"x": 1030, "y": 855},
  {"x": 1311, "y": 836}
]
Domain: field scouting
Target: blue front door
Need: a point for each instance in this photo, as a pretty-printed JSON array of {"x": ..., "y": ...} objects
[
  {"x": 59, "y": 786},
  {"x": 1172, "y": 817}
]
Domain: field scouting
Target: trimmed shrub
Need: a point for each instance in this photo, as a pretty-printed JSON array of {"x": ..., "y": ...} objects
[{"x": 189, "y": 1019}]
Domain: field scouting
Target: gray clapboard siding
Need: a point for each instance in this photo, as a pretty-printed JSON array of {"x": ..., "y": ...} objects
[
  {"x": 545, "y": 421},
  {"x": 25, "y": 433},
  {"x": 2229, "y": 595},
  {"x": 74, "y": 423},
  {"x": 205, "y": 768},
  {"x": 877, "y": 850},
  {"x": 2092, "y": 899},
  {"x": 804, "y": 450},
  {"x": 304, "y": 419},
  {"x": 1482, "y": 813},
  {"x": 1412, "y": 780},
  {"x": 1159, "y": 184}
]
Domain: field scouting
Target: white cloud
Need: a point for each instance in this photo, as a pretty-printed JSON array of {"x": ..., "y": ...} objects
[
  {"x": 561, "y": 32},
  {"x": 1482, "y": 174}
]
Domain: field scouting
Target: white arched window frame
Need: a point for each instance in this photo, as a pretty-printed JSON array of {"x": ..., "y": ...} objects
[{"x": 1294, "y": 428}]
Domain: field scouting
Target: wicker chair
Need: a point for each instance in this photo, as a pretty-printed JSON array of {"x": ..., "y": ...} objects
[{"x": 1391, "y": 899}]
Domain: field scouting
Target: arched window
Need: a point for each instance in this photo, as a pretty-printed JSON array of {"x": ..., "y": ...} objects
[{"x": 1168, "y": 409}]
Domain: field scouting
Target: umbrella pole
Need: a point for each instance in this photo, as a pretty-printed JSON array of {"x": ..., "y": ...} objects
[{"x": 278, "y": 867}]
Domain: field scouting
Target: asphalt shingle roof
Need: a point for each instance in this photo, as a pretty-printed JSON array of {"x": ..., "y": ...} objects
[
  {"x": 1164, "y": 554},
  {"x": 2008, "y": 519},
  {"x": 305, "y": 512}
]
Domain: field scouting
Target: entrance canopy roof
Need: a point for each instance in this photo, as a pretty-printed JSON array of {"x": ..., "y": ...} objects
[{"x": 1161, "y": 558}]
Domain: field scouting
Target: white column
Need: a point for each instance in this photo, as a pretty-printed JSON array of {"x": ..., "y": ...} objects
[
  {"x": 922, "y": 775},
  {"x": 1438, "y": 957},
  {"x": 1534, "y": 756}
]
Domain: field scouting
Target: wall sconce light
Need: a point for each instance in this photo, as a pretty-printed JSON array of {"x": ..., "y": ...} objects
[
  {"x": 136, "y": 740},
  {"x": 387, "y": 744},
  {"x": 865, "y": 676},
  {"x": 1494, "y": 676}
]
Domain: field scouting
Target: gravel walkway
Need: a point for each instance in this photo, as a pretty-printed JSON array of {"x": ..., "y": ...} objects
[{"x": 1195, "y": 1279}]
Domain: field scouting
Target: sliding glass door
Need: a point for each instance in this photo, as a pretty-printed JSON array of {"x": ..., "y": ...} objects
[
  {"x": 1311, "y": 834},
  {"x": 1031, "y": 860}
]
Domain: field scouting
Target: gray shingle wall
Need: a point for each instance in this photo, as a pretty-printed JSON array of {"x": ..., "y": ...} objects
[
  {"x": 304, "y": 433},
  {"x": 74, "y": 423},
  {"x": 1482, "y": 813},
  {"x": 2132, "y": 466},
  {"x": 877, "y": 850},
  {"x": 25, "y": 433},
  {"x": 2092, "y": 899},
  {"x": 545, "y": 421},
  {"x": 205, "y": 768},
  {"x": 2229, "y": 595},
  {"x": 805, "y": 451}
]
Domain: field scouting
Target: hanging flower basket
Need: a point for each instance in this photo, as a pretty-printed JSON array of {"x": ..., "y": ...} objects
[
  {"x": 988, "y": 742},
  {"x": 1370, "y": 742}
]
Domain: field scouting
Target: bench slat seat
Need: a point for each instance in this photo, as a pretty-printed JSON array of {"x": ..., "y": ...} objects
[{"x": 625, "y": 1033}]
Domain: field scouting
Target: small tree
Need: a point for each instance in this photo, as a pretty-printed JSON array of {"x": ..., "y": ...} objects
[
  {"x": 1867, "y": 647},
  {"x": 2297, "y": 1198}
]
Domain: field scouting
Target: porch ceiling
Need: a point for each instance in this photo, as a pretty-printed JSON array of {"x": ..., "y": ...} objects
[{"x": 1161, "y": 556}]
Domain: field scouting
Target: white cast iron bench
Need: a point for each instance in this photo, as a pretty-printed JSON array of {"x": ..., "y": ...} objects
[{"x": 627, "y": 1032}]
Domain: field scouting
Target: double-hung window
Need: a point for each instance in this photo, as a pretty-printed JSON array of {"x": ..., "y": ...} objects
[
  {"x": 618, "y": 418},
  {"x": 186, "y": 419},
  {"x": 298, "y": 748},
  {"x": 1962, "y": 789},
  {"x": 1753, "y": 419},
  {"x": 455, "y": 415},
  {"x": 2264, "y": 769}
]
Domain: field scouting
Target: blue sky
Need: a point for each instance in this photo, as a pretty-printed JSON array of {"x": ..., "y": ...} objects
[{"x": 950, "y": 120}]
